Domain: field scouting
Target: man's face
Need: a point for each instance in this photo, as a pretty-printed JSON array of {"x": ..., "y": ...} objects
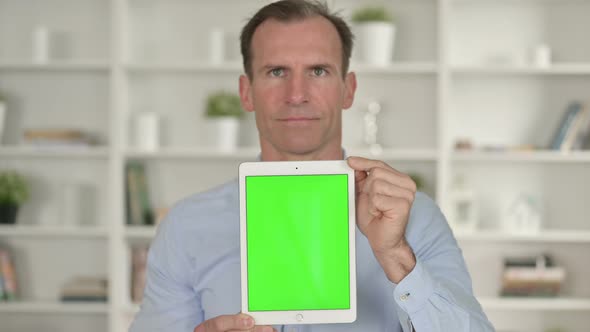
[{"x": 297, "y": 89}]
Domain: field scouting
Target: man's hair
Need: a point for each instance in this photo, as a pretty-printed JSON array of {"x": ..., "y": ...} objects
[{"x": 294, "y": 10}]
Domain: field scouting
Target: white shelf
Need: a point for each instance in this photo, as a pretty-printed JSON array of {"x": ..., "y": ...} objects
[
  {"x": 52, "y": 231},
  {"x": 252, "y": 153},
  {"x": 544, "y": 156},
  {"x": 396, "y": 68},
  {"x": 54, "y": 152},
  {"x": 141, "y": 233},
  {"x": 551, "y": 236},
  {"x": 189, "y": 67},
  {"x": 92, "y": 65},
  {"x": 193, "y": 153},
  {"x": 237, "y": 68},
  {"x": 35, "y": 307},
  {"x": 556, "y": 69},
  {"x": 535, "y": 304},
  {"x": 397, "y": 154}
]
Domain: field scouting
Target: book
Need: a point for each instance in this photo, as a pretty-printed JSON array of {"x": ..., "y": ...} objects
[
  {"x": 147, "y": 214},
  {"x": 132, "y": 197},
  {"x": 138, "y": 273},
  {"x": 531, "y": 276},
  {"x": 582, "y": 140},
  {"x": 572, "y": 134},
  {"x": 2, "y": 292},
  {"x": 139, "y": 209},
  {"x": 529, "y": 261},
  {"x": 565, "y": 126},
  {"x": 81, "y": 288},
  {"x": 49, "y": 137},
  {"x": 8, "y": 276}
]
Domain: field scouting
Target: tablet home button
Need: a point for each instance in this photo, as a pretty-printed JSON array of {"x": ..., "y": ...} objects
[{"x": 299, "y": 317}]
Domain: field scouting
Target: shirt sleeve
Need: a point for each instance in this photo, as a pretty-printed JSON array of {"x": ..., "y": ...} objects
[
  {"x": 169, "y": 301},
  {"x": 437, "y": 295}
]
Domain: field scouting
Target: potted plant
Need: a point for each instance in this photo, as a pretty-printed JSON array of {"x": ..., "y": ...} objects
[
  {"x": 14, "y": 191},
  {"x": 376, "y": 34},
  {"x": 225, "y": 110}
]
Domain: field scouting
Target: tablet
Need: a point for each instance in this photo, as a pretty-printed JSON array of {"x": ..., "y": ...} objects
[{"x": 297, "y": 231}]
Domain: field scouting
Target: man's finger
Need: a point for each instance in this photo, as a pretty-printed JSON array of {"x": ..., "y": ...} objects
[
  {"x": 382, "y": 174},
  {"x": 239, "y": 322},
  {"x": 261, "y": 328},
  {"x": 388, "y": 206},
  {"x": 385, "y": 188},
  {"x": 364, "y": 164}
]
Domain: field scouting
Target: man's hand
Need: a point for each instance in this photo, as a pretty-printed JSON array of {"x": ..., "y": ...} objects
[
  {"x": 228, "y": 323},
  {"x": 384, "y": 197}
]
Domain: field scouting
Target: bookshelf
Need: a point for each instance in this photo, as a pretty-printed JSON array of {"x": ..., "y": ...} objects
[
  {"x": 64, "y": 66},
  {"x": 53, "y": 308},
  {"x": 456, "y": 73},
  {"x": 57, "y": 232},
  {"x": 57, "y": 153},
  {"x": 525, "y": 156},
  {"x": 561, "y": 304},
  {"x": 558, "y": 69},
  {"x": 545, "y": 236}
]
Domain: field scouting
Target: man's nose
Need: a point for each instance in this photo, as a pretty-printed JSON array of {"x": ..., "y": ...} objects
[{"x": 297, "y": 92}]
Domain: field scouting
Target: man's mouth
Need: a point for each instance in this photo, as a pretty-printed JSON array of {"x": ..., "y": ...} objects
[{"x": 298, "y": 119}]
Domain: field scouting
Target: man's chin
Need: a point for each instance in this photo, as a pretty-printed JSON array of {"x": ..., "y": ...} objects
[{"x": 300, "y": 150}]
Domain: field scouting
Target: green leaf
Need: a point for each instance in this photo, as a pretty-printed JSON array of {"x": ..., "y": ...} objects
[
  {"x": 14, "y": 189},
  {"x": 224, "y": 104},
  {"x": 371, "y": 14}
]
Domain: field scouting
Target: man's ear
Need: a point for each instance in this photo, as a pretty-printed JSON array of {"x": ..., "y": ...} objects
[
  {"x": 350, "y": 89},
  {"x": 246, "y": 93}
]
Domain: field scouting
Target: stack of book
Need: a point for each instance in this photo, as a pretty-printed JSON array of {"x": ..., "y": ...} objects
[
  {"x": 139, "y": 208},
  {"x": 532, "y": 277},
  {"x": 48, "y": 137},
  {"x": 7, "y": 277},
  {"x": 573, "y": 131},
  {"x": 138, "y": 273},
  {"x": 94, "y": 289}
]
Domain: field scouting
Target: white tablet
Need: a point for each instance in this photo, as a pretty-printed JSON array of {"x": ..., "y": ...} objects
[{"x": 297, "y": 231}]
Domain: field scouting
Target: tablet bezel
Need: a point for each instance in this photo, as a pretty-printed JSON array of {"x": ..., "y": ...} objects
[{"x": 299, "y": 168}]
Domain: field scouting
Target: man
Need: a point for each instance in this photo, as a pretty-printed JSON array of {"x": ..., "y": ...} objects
[{"x": 410, "y": 272}]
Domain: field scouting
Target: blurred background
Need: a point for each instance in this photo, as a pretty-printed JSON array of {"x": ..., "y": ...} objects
[{"x": 111, "y": 111}]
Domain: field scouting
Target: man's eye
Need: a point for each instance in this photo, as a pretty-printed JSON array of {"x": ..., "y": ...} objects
[
  {"x": 319, "y": 71},
  {"x": 277, "y": 72}
]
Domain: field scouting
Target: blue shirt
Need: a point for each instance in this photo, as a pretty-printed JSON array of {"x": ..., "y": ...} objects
[{"x": 193, "y": 274}]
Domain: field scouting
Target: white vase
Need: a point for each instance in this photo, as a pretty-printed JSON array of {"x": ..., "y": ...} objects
[
  {"x": 227, "y": 133},
  {"x": 377, "y": 41},
  {"x": 216, "y": 46},
  {"x": 41, "y": 45},
  {"x": 147, "y": 131},
  {"x": 2, "y": 119}
]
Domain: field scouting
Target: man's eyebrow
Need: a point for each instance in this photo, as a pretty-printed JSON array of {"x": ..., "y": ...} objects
[
  {"x": 322, "y": 65},
  {"x": 268, "y": 67}
]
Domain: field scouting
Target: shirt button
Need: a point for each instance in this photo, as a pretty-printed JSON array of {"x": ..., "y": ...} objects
[{"x": 404, "y": 297}]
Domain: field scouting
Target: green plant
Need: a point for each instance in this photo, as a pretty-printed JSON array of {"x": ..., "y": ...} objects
[
  {"x": 223, "y": 104},
  {"x": 418, "y": 179},
  {"x": 371, "y": 14},
  {"x": 14, "y": 189}
]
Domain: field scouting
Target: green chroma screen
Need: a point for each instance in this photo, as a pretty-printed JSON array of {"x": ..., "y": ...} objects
[{"x": 297, "y": 242}]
